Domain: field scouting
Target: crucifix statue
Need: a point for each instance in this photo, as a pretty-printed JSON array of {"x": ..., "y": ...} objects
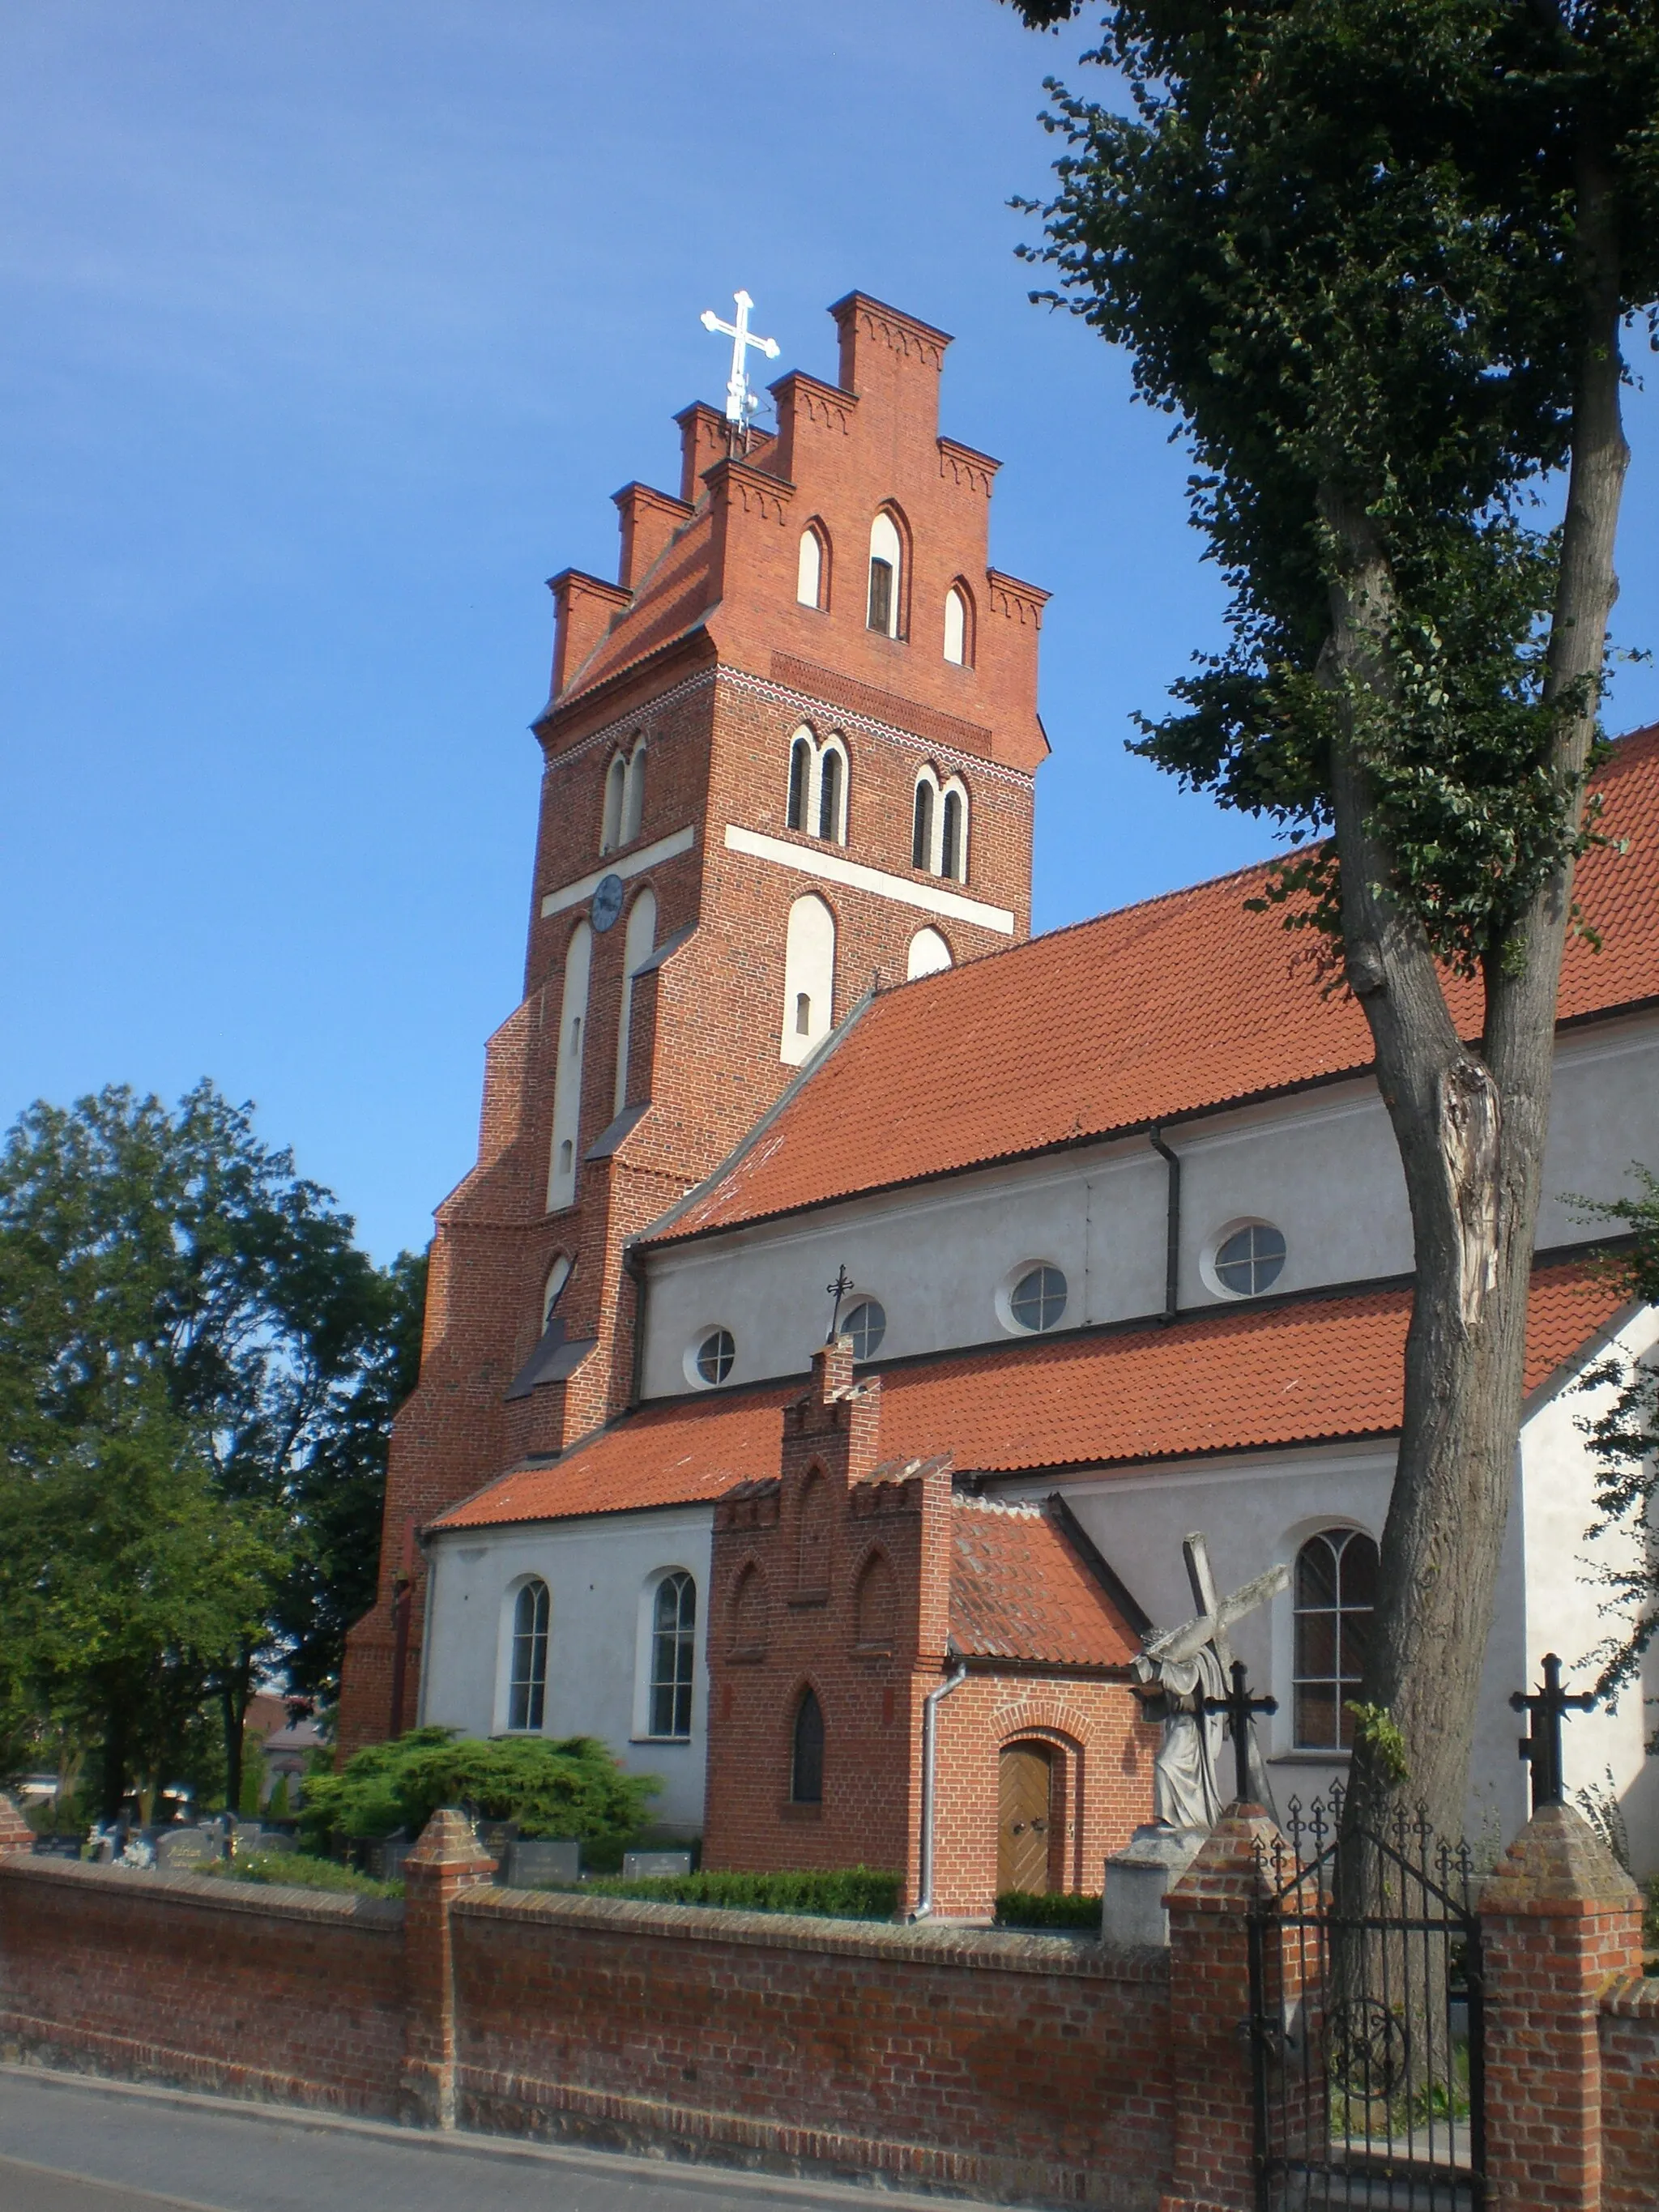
[
  {"x": 838, "y": 1291},
  {"x": 740, "y": 401},
  {"x": 1541, "y": 1745},
  {"x": 1192, "y": 1667}
]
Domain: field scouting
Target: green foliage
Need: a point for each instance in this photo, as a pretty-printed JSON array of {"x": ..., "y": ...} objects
[
  {"x": 1376, "y": 1726},
  {"x": 299, "y": 1870},
  {"x": 850, "y": 1894},
  {"x": 566, "y": 1787},
  {"x": 276, "y": 1804},
  {"x": 195, "y": 1369},
  {"x": 1337, "y": 239},
  {"x": 1029, "y": 1908}
]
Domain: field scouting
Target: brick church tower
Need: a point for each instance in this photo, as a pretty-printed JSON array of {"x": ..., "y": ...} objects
[{"x": 788, "y": 760}]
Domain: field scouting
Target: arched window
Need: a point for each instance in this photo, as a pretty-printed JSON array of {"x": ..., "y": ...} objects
[
  {"x": 616, "y": 787},
  {"x": 886, "y": 577},
  {"x": 1335, "y": 1594},
  {"x": 832, "y": 793},
  {"x": 526, "y": 1692},
  {"x": 633, "y": 813},
  {"x": 953, "y": 834},
  {"x": 876, "y": 1604},
  {"x": 799, "y": 811},
  {"x": 557, "y": 1276},
  {"x": 921, "y": 820},
  {"x": 808, "y": 978},
  {"x": 673, "y": 1634},
  {"x": 567, "y": 1081},
  {"x": 807, "y": 1761},
  {"x": 928, "y": 953},
  {"x": 812, "y": 1535},
  {"x": 638, "y": 939},
  {"x": 959, "y": 627},
  {"x": 812, "y": 567}
]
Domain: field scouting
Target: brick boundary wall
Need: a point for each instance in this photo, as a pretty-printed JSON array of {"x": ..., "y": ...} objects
[
  {"x": 165, "y": 1975},
  {"x": 995, "y": 2064}
]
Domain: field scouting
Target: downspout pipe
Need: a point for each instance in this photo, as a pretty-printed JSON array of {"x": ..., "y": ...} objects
[
  {"x": 634, "y": 1261},
  {"x": 930, "y": 1705},
  {"x": 1171, "y": 1228}
]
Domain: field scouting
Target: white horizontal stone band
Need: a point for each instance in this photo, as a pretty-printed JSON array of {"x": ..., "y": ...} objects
[
  {"x": 624, "y": 865},
  {"x": 832, "y": 869}
]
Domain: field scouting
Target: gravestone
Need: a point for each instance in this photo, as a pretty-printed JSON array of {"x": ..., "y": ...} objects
[
  {"x": 180, "y": 1849},
  {"x": 539, "y": 1861},
  {"x": 385, "y": 1857},
  {"x": 655, "y": 1866}
]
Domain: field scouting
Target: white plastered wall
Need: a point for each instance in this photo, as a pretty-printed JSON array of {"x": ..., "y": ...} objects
[
  {"x": 1322, "y": 1166},
  {"x": 596, "y": 1570}
]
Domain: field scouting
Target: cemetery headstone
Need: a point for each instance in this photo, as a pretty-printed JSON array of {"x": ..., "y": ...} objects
[
  {"x": 655, "y": 1866},
  {"x": 387, "y": 1855},
  {"x": 180, "y": 1849},
  {"x": 540, "y": 1861}
]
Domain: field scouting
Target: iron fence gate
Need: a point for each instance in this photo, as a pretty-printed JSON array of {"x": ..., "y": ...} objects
[{"x": 1366, "y": 2025}]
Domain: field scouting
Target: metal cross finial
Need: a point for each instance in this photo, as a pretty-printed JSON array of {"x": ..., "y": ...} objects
[
  {"x": 1238, "y": 1706},
  {"x": 838, "y": 1291},
  {"x": 740, "y": 401},
  {"x": 1541, "y": 1745}
]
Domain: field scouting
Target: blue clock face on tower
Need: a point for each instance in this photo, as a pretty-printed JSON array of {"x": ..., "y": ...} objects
[{"x": 607, "y": 904}]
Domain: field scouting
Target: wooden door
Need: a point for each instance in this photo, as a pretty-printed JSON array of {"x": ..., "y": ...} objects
[{"x": 1025, "y": 1779}]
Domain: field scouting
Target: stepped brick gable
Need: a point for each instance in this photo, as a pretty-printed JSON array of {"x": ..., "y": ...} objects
[
  {"x": 862, "y": 1583},
  {"x": 679, "y": 692}
]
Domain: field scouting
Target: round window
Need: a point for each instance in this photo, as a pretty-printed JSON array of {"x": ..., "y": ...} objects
[
  {"x": 1251, "y": 1259},
  {"x": 1038, "y": 1298},
  {"x": 866, "y": 1325},
  {"x": 715, "y": 1355}
]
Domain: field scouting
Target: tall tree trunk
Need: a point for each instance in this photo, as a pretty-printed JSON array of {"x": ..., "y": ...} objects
[
  {"x": 1470, "y": 1125},
  {"x": 112, "y": 1778},
  {"x": 233, "y": 1686}
]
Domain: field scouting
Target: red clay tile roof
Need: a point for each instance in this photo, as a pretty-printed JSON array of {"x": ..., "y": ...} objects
[
  {"x": 1239, "y": 1378},
  {"x": 1020, "y": 1590},
  {"x": 1170, "y": 1008}
]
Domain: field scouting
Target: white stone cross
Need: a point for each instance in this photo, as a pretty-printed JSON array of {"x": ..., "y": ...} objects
[{"x": 740, "y": 402}]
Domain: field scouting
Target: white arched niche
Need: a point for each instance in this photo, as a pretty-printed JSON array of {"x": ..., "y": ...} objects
[
  {"x": 568, "y": 1082},
  {"x": 808, "y": 978},
  {"x": 958, "y": 630},
  {"x": 928, "y": 953},
  {"x": 633, "y": 810},
  {"x": 616, "y": 786},
  {"x": 638, "y": 941},
  {"x": 809, "y": 569}
]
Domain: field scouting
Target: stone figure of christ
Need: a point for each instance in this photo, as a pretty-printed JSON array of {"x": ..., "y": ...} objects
[{"x": 1184, "y": 1669}]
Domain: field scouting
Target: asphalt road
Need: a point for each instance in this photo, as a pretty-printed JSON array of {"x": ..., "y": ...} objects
[{"x": 69, "y": 2144}]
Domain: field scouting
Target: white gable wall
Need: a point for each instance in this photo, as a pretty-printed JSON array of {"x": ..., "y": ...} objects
[{"x": 598, "y": 1570}]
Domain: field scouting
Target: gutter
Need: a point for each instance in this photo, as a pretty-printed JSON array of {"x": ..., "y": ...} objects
[
  {"x": 930, "y": 1704},
  {"x": 1171, "y": 1228}
]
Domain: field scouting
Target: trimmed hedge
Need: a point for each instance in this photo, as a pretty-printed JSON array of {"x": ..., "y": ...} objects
[
  {"x": 1029, "y": 1908},
  {"x": 299, "y": 1870},
  {"x": 852, "y": 1893}
]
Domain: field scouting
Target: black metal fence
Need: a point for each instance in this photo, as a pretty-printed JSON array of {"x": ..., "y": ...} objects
[{"x": 1366, "y": 2022}]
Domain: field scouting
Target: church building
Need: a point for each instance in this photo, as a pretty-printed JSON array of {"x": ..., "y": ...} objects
[{"x": 1106, "y": 1228}]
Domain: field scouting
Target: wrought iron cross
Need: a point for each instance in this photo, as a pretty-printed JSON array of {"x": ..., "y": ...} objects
[
  {"x": 1541, "y": 1745},
  {"x": 740, "y": 402},
  {"x": 1238, "y": 1706},
  {"x": 838, "y": 1291}
]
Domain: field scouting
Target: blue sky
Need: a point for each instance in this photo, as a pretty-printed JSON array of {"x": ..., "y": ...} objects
[{"x": 327, "y": 333}]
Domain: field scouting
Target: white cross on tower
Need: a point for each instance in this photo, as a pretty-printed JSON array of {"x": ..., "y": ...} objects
[{"x": 740, "y": 402}]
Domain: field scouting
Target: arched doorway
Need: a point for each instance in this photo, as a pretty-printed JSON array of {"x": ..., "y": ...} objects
[{"x": 1024, "y": 1792}]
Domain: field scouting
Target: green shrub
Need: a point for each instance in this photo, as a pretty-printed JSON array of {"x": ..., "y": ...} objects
[
  {"x": 1031, "y": 1908},
  {"x": 852, "y": 1893},
  {"x": 1650, "y": 1916},
  {"x": 567, "y": 1787},
  {"x": 299, "y": 1870}
]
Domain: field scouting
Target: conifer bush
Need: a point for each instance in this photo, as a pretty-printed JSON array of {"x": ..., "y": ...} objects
[{"x": 567, "y": 1786}]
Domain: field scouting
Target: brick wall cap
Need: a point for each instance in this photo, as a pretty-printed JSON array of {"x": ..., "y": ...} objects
[
  {"x": 1228, "y": 1870},
  {"x": 1632, "y": 1995},
  {"x": 929, "y": 1942},
  {"x": 1558, "y": 1864},
  {"x": 449, "y": 1844},
  {"x": 379, "y": 1916},
  {"x": 17, "y": 1837}
]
